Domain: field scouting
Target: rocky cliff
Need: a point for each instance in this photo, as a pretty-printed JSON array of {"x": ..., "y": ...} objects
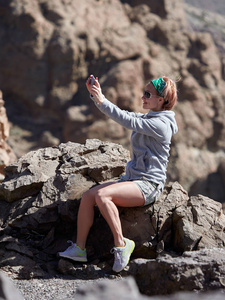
[{"x": 48, "y": 48}]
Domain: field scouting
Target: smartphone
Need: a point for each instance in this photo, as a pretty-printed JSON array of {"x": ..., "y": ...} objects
[{"x": 92, "y": 80}]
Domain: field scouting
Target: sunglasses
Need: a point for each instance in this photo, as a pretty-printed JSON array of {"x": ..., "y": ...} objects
[{"x": 149, "y": 95}]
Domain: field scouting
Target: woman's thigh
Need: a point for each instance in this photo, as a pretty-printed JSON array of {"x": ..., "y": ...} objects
[
  {"x": 124, "y": 194},
  {"x": 89, "y": 196}
]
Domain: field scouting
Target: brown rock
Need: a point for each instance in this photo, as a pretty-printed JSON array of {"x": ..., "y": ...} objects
[{"x": 7, "y": 155}]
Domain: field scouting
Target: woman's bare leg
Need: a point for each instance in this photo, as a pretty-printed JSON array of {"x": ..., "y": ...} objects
[
  {"x": 86, "y": 215},
  {"x": 107, "y": 197},
  {"x": 125, "y": 194}
]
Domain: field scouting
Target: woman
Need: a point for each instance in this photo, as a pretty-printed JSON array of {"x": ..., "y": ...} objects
[{"x": 145, "y": 173}]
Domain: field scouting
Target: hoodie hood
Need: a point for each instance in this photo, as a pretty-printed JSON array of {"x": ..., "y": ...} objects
[{"x": 166, "y": 114}]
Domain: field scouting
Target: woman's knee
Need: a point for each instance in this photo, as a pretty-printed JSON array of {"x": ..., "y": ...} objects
[
  {"x": 88, "y": 197},
  {"x": 102, "y": 196}
]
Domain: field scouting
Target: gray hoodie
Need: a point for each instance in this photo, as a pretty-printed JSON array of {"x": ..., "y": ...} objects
[{"x": 150, "y": 140}]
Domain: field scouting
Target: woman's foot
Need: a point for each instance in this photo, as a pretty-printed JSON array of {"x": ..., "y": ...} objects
[
  {"x": 74, "y": 252},
  {"x": 122, "y": 255}
]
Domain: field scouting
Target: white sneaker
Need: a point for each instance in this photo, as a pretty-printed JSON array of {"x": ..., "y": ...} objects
[
  {"x": 74, "y": 252},
  {"x": 122, "y": 255}
]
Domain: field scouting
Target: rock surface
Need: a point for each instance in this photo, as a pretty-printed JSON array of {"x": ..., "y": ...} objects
[
  {"x": 128, "y": 290},
  {"x": 7, "y": 289},
  {"x": 123, "y": 289},
  {"x": 194, "y": 270},
  {"x": 7, "y": 155},
  {"x": 39, "y": 202},
  {"x": 48, "y": 48}
]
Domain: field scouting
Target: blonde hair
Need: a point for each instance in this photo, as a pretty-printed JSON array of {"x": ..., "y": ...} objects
[{"x": 169, "y": 93}]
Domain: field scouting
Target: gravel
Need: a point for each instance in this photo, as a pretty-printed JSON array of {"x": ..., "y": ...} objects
[
  {"x": 52, "y": 288},
  {"x": 47, "y": 288}
]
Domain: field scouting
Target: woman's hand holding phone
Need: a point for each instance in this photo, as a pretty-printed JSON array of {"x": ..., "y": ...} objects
[{"x": 94, "y": 89}]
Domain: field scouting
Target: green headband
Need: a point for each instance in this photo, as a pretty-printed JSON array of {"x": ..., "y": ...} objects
[{"x": 159, "y": 84}]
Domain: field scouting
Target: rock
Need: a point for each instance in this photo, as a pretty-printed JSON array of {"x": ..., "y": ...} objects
[
  {"x": 195, "y": 270},
  {"x": 36, "y": 169},
  {"x": 218, "y": 295},
  {"x": 20, "y": 259},
  {"x": 7, "y": 155},
  {"x": 127, "y": 288},
  {"x": 40, "y": 198},
  {"x": 79, "y": 270},
  {"x": 48, "y": 140},
  {"x": 122, "y": 289},
  {"x": 7, "y": 289},
  {"x": 193, "y": 222}
]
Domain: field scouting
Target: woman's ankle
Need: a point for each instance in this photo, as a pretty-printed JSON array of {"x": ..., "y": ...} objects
[
  {"x": 82, "y": 246},
  {"x": 120, "y": 243}
]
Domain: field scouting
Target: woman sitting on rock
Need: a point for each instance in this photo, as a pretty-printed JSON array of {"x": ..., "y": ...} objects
[{"x": 145, "y": 174}]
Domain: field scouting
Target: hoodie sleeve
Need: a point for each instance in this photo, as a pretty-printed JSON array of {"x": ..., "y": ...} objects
[{"x": 155, "y": 126}]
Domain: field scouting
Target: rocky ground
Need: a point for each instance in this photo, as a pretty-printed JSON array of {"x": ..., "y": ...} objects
[
  {"x": 59, "y": 288},
  {"x": 65, "y": 288},
  {"x": 52, "y": 288}
]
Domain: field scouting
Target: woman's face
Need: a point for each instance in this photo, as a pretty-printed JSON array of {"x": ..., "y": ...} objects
[{"x": 153, "y": 103}]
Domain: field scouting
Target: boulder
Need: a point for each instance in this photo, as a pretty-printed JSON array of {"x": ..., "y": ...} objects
[
  {"x": 87, "y": 165},
  {"x": 197, "y": 224},
  {"x": 125, "y": 289},
  {"x": 194, "y": 270},
  {"x": 7, "y": 289}
]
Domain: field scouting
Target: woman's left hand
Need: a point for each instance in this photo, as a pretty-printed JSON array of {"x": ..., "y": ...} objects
[{"x": 95, "y": 90}]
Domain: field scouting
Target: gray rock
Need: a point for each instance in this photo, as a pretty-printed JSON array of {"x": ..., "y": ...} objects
[
  {"x": 194, "y": 270},
  {"x": 123, "y": 289},
  {"x": 40, "y": 197},
  {"x": 198, "y": 224},
  {"x": 216, "y": 295},
  {"x": 7, "y": 289},
  {"x": 67, "y": 164}
]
